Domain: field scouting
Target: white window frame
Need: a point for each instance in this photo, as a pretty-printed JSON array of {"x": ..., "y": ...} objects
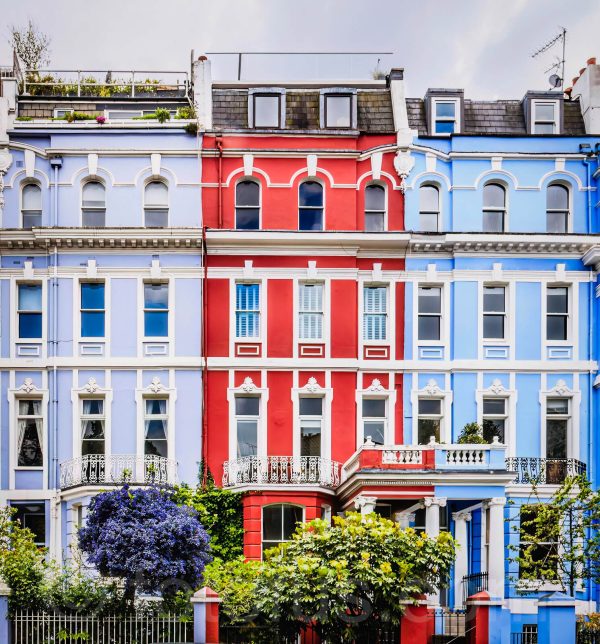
[
  {"x": 569, "y": 188},
  {"x": 17, "y": 311},
  {"x": 323, "y": 207},
  {"x": 390, "y": 306},
  {"x": 91, "y": 389},
  {"x": 261, "y": 311},
  {"x": 102, "y": 343},
  {"x": 572, "y": 316},
  {"x": 434, "y": 117},
  {"x": 278, "y": 92},
  {"x": 376, "y": 390},
  {"x": 438, "y": 212},
  {"x": 573, "y": 395},
  {"x": 379, "y": 184},
  {"x": 505, "y": 210},
  {"x": 155, "y": 389},
  {"x": 312, "y": 389},
  {"x": 22, "y": 211},
  {"x": 169, "y": 339},
  {"x": 504, "y": 314},
  {"x": 267, "y": 505},
  {"x": 235, "y": 204},
  {"x": 247, "y": 388},
  {"x": 510, "y": 396},
  {"x": 93, "y": 179},
  {"x": 301, "y": 313},
  {"x": 147, "y": 207},
  {"x": 555, "y": 122},
  {"x": 432, "y": 391},
  {"x": 443, "y": 314},
  {"x": 333, "y": 91}
]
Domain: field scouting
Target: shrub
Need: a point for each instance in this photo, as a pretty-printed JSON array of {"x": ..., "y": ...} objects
[
  {"x": 471, "y": 433},
  {"x": 163, "y": 115},
  {"x": 187, "y": 112}
]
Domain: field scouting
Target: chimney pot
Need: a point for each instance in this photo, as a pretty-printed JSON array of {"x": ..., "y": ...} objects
[
  {"x": 202, "y": 58},
  {"x": 591, "y": 61},
  {"x": 568, "y": 91},
  {"x": 575, "y": 79},
  {"x": 581, "y": 70}
]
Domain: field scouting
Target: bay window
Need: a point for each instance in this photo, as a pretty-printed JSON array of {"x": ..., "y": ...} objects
[{"x": 279, "y": 524}]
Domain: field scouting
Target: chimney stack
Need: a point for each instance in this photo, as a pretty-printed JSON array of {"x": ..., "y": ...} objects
[{"x": 586, "y": 87}]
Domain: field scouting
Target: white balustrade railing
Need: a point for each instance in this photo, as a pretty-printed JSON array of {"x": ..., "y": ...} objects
[
  {"x": 402, "y": 455},
  {"x": 281, "y": 470},
  {"x": 98, "y": 469},
  {"x": 466, "y": 456}
]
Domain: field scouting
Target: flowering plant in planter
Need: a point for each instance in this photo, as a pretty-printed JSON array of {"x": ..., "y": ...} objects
[{"x": 101, "y": 119}]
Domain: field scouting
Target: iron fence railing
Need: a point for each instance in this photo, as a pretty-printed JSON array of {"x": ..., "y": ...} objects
[
  {"x": 528, "y": 635},
  {"x": 474, "y": 583},
  {"x": 32, "y": 627},
  {"x": 550, "y": 471},
  {"x": 449, "y": 626}
]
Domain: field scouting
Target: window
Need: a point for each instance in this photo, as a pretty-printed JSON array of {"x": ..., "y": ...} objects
[
  {"x": 557, "y": 313},
  {"x": 156, "y": 205},
  {"x": 156, "y": 310},
  {"x": 374, "y": 208},
  {"x": 494, "y": 208},
  {"x": 155, "y": 427},
  {"x": 93, "y": 205},
  {"x": 92, "y": 426},
  {"x": 429, "y": 209},
  {"x": 494, "y": 312},
  {"x": 375, "y": 313},
  {"x": 247, "y": 205},
  {"x": 247, "y": 310},
  {"x": 429, "y": 420},
  {"x": 279, "y": 524},
  {"x": 33, "y": 517},
  {"x": 557, "y": 423},
  {"x": 310, "y": 311},
  {"x": 311, "y": 416},
  {"x": 557, "y": 208},
  {"x": 247, "y": 411},
  {"x": 267, "y": 110},
  {"x": 310, "y": 206},
  {"x": 338, "y": 110},
  {"x": 30, "y": 311},
  {"x": 544, "y": 117},
  {"x": 31, "y": 211},
  {"x": 92, "y": 310},
  {"x": 494, "y": 419},
  {"x": 542, "y": 554},
  {"x": 30, "y": 433},
  {"x": 430, "y": 313},
  {"x": 445, "y": 121},
  {"x": 374, "y": 418}
]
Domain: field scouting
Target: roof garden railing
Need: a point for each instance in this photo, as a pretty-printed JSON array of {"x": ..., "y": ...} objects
[{"x": 105, "y": 83}]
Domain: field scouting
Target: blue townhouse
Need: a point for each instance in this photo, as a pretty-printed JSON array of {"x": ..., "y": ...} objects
[
  {"x": 502, "y": 313},
  {"x": 100, "y": 282}
]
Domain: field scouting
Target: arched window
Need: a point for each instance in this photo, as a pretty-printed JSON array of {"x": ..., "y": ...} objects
[
  {"x": 31, "y": 205},
  {"x": 557, "y": 208},
  {"x": 156, "y": 205},
  {"x": 93, "y": 205},
  {"x": 247, "y": 205},
  {"x": 279, "y": 523},
  {"x": 494, "y": 208},
  {"x": 374, "y": 208},
  {"x": 310, "y": 206},
  {"x": 429, "y": 209}
]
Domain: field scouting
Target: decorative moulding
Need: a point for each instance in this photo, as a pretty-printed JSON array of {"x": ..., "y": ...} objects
[
  {"x": 28, "y": 386},
  {"x": 156, "y": 385},
  {"x": 376, "y": 385}
]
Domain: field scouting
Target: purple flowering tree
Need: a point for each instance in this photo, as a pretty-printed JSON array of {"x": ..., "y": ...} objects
[{"x": 143, "y": 537}]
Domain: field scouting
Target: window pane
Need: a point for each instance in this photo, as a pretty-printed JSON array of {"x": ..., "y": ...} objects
[
  {"x": 156, "y": 429},
  {"x": 430, "y": 300},
  {"x": 445, "y": 109},
  {"x": 247, "y": 193},
  {"x": 247, "y": 297},
  {"x": 156, "y": 218},
  {"x": 93, "y": 218},
  {"x": 310, "y": 219},
  {"x": 337, "y": 110},
  {"x": 92, "y": 447},
  {"x": 311, "y": 194},
  {"x": 375, "y": 299},
  {"x": 156, "y": 406},
  {"x": 444, "y": 127},
  {"x": 156, "y": 447},
  {"x": 373, "y": 407},
  {"x": 494, "y": 406},
  {"x": 247, "y": 218},
  {"x": 92, "y": 296},
  {"x": 493, "y": 196},
  {"x": 30, "y": 325},
  {"x": 544, "y": 111},
  {"x": 32, "y": 220},
  {"x": 426, "y": 429},
  {"x": 493, "y": 299},
  {"x": 556, "y": 438},
  {"x": 493, "y": 221},
  {"x": 156, "y": 296},
  {"x": 33, "y": 517},
  {"x": 374, "y": 222},
  {"x": 92, "y": 324},
  {"x": 30, "y": 451},
  {"x": 556, "y": 327},
  {"x": 156, "y": 324},
  {"x": 374, "y": 198},
  {"x": 246, "y": 438},
  {"x": 272, "y": 522},
  {"x": 556, "y": 222},
  {"x": 429, "y": 327},
  {"x": 292, "y": 514},
  {"x": 430, "y": 406},
  {"x": 156, "y": 194},
  {"x": 310, "y": 298},
  {"x": 247, "y": 405},
  {"x": 93, "y": 195},
  {"x": 30, "y": 297},
  {"x": 493, "y": 327},
  {"x": 493, "y": 428},
  {"x": 266, "y": 111},
  {"x": 310, "y": 439},
  {"x": 93, "y": 429},
  {"x": 429, "y": 199},
  {"x": 557, "y": 301},
  {"x": 544, "y": 128},
  {"x": 93, "y": 407},
  {"x": 375, "y": 431},
  {"x": 30, "y": 408},
  {"x": 311, "y": 406},
  {"x": 557, "y": 197},
  {"x": 32, "y": 197},
  {"x": 428, "y": 222},
  {"x": 557, "y": 406}
]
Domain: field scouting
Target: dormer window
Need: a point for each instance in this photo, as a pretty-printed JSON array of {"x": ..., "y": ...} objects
[
  {"x": 445, "y": 114},
  {"x": 545, "y": 117},
  {"x": 266, "y": 108},
  {"x": 338, "y": 108}
]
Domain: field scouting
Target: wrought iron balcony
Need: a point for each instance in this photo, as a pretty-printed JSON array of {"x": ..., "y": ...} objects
[
  {"x": 548, "y": 471},
  {"x": 281, "y": 470},
  {"x": 117, "y": 469}
]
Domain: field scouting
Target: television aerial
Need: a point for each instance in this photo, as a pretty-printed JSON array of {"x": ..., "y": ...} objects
[{"x": 557, "y": 79}]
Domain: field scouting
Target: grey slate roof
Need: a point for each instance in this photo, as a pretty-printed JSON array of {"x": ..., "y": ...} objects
[{"x": 495, "y": 117}]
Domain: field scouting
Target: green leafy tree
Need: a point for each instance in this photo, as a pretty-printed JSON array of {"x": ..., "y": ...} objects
[
  {"x": 559, "y": 537},
  {"x": 31, "y": 45},
  {"x": 471, "y": 433},
  {"x": 346, "y": 579}
]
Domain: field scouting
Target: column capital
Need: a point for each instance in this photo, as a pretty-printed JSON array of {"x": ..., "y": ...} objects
[
  {"x": 435, "y": 500},
  {"x": 499, "y": 500},
  {"x": 366, "y": 504},
  {"x": 461, "y": 516}
]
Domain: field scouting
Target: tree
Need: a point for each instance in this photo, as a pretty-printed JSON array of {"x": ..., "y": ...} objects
[
  {"x": 31, "y": 45},
  {"x": 145, "y": 538},
  {"x": 559, "y": 538},
  {"x": 346, "y": 579}
]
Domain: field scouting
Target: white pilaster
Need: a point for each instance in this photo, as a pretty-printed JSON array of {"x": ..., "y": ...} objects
[
  {"x": 432, "y": 514},
  {"x": 461, "y": 564},
  {"x": 496, "y": 548}
]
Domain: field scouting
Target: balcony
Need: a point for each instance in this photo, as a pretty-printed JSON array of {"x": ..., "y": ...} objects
[
  {"x": 544, "y": 471},
  {"x": 117, "y": 469},
  {"x": 281, "y": 470}
]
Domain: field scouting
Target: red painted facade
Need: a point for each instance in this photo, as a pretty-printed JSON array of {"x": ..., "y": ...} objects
[{"x": 278, "y": 366}]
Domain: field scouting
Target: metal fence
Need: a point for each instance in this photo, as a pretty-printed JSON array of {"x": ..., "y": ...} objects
[
  {"x": 472, "y": 584},
  {"x": 251, "y": 634},
  {"x": 32, "y": 627},
  {"x": 449, "y": 626}
]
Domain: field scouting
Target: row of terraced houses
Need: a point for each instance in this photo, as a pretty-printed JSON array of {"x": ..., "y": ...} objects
[{"x": 310, "y": 287}]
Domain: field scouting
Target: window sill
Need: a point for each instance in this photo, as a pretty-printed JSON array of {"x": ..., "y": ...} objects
[{"x": 26, "y": 468}]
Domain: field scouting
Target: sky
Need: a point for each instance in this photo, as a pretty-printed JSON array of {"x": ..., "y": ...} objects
[{"x": 483, "y": 46}]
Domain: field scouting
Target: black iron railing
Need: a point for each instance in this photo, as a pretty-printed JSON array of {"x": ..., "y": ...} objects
[
  {"x": 549, "y": 471},
  {"x": 473, "y": 584}
]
